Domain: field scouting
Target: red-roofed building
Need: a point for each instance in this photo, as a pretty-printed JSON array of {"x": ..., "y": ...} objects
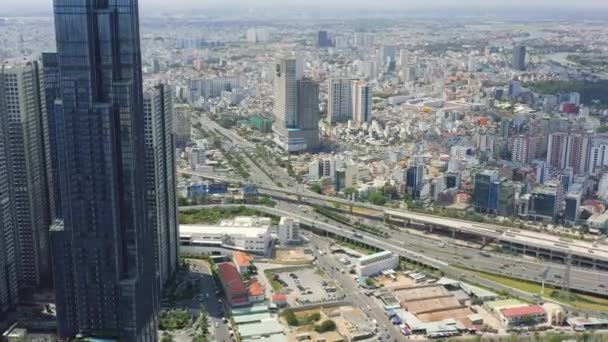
[
  {"x": 234, "y": 288},
  {"x": 523, "y": 315},
  {"x": 279, "y": 299},
  {"x": 242, "y": 261},
  {"x": 256, "y": 291}
]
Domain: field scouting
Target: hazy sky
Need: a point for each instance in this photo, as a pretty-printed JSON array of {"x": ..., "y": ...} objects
[{"x": 169, "y": 5}]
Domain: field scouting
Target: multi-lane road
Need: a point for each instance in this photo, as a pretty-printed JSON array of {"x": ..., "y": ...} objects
[
  {"x": 449, "y": 259},
  {"x": 581, "y": 251},
  {"x": 328, "y": 262}
]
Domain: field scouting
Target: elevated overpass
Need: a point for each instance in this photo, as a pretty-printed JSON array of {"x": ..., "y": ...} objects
[
  {"x": 431, "y": 258},
  {"x": 550, "y": 247}
]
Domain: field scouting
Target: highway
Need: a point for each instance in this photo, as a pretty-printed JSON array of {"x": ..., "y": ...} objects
[
  {"x": 435, "y": 257},
  {"x": 462, "y": 255},
  {"x": 547, "y": 242}
]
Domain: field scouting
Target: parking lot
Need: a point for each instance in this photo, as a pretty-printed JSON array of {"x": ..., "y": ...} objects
[{"x": 308, "y": 286}]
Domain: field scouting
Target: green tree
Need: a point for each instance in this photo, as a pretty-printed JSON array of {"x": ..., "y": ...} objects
[
  {"x": 377, "y": 198},
  {"x": 166, "y": 337},
  {"x": 290, "y": 317},
  {"x": 349, "y": 191},
  {"x": 602, "y": 129},
  {"x": 327, "y": 325},
  {"x": 315, "y": 187}
]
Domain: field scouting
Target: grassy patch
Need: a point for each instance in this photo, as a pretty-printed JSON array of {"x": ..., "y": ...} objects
[
  {"x": 174, "y": 320},
  {"x": 301, "y": 318},
  {"x": 276, "y": 286},
  {"x": 586, "y": 302},
  {"x": 357, "y": 248},
  {"x": 213, "y": 215}
]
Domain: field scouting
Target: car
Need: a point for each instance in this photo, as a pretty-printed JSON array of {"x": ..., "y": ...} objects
[
  {"x": 217, "y": 324},
  {"x": 224, "y": 319}
]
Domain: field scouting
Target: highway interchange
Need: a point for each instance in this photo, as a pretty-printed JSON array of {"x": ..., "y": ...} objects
[
  {"x": 443, "y": 259},
  {"x": 451, "y": 256}
]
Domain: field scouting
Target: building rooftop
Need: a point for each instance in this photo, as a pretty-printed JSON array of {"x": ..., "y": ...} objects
[
  {"x": 242, "y": 259},
  {"x": 257, "y": 308},
  {"x": 498, "y": 305},
  {"x": 230, "y": 277},
  {"x": 523, "y": 311},
  {"x": 246, "y": 221},
  {"x": 256, "y": 289},
  {"x": 587, "y": 321},
  {"x": 279, "y": 298},
  {"x": 196, "y": 230},
  {"x": 367, "y": 258},
  {"x": 263, "y": 328}
]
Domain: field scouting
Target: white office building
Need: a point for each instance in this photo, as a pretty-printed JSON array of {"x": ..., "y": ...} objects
[
  {"x": 376, "y": 263},
  {"x": 249, "y": 234},
  {"x": 288, "y": 230}
]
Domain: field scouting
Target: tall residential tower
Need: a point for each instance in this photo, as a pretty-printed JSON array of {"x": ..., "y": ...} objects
[
  {"x": 340, "y": 102},
  {"x": 160, "y": 189},
  {"x": 22, "y": 109},
  {"x": 519, "y": 58}
]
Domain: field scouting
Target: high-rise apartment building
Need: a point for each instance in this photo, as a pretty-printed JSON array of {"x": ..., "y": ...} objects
[
  {"x": 183, "y": 125},
  {"x": 519, "y": 58},
  {"x": 9, "y": 267},
  {"x": 160, "y": 188},
  {"x": 362, "y": 102},
  {"x": 103, "y": 248},
  {"x": 523, "y": 149},
  {"x": 296, "y": 108},
  {"x": 22, "y": 112},
  {"x": 598, "y": 157},
  {"x": 388, "y": 54},
  {"x": 364, "y": 39},
  {"x": 569, "y": 149},
  {"x": 340, "y": 100},
  {"x": 50, "y": 70}
]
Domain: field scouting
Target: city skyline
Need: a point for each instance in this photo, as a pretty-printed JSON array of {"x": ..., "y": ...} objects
[
  {"x": 200, "y": 170},
  {"x": 150, "y": 6}
]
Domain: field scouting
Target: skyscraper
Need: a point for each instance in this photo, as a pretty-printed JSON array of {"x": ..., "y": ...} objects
[
  {"x": 598, "y": 156},
  {"x": 22, "y": 109},
  {"x": 485, "y": 193},
  {"x": 523, "y": 149},
  {"x": 340, "y": 100},
  {"x": 160, "y": 178},
  {"x": 362, "y": 102},
  {"x": 308, "y": 112},
  {"x": 519, "y": 58},
  {"x": 296, "y": 108},
  {"x": 183, "y": 125},
  {"x": 569, "y": 149},
  {"x": 8, "y": 246},
  {"x": 102, "y": 249},
  {"x": 50, "y": 70},
  {"x": 323, "y": 40}
]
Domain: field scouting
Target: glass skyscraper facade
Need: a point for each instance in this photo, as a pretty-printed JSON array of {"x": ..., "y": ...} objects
[{"x": 102, "y": 248}]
